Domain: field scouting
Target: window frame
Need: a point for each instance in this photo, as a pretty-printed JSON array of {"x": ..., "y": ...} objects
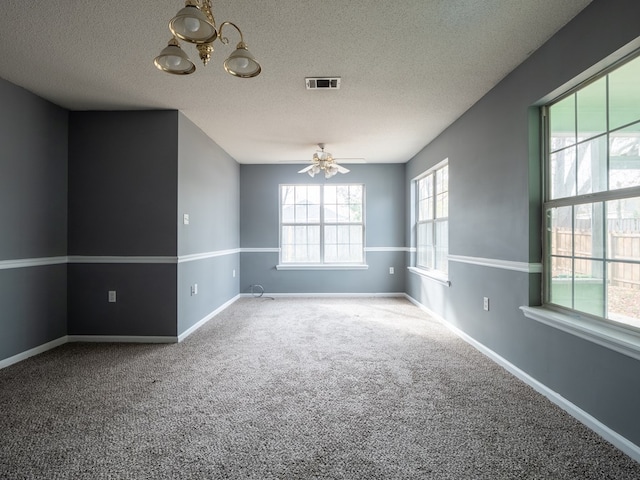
[
  {"x": 434, "y": 219},
  {"x": 322, "y": 223},
  {"x": 598, "y": 328}
]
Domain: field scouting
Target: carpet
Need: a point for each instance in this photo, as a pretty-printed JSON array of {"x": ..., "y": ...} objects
[{"x": 291, "y": 388}]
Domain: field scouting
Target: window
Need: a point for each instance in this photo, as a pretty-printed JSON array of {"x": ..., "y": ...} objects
[
  {"x": 592, "y": 198},
  {"x": 432, "y": 219},
  {"x": 322, "y": 224}
]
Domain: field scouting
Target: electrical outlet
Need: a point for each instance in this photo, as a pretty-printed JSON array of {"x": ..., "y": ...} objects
[
  {"x": 486, "y": 304},
  {"x": 391, "y": 271},
  {"x": 112, "y": 296}
]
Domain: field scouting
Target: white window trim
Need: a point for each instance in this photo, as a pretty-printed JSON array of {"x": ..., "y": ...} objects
[
  {"x": 598, "y": 329},
  {"x": 430, "y": 273},
  {"x": 620, "y": 339},
  {"x": 435, "y": 275},
  {"x": 322, "y": 265}
]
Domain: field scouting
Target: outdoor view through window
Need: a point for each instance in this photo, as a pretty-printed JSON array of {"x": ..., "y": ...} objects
[
  {"x": 322, "y": 224},
  {"x": 592, "y": 204}
]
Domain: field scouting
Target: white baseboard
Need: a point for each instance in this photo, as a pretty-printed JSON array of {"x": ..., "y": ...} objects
[
  {"x": 613, "y": 437},
  {"x": 33, "y": 351},
  {"x": 200, "y": 323},
  {"x": 121, "y": 339},
  {"x": 325, "y": 295},
  {"x": 111, "y": 338}
]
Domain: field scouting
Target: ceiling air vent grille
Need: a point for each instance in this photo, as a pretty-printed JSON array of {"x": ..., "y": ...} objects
[{"x": 322, "y": 83}]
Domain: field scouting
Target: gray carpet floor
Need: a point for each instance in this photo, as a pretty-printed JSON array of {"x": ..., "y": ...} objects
[{"x": 291, "y": 389}]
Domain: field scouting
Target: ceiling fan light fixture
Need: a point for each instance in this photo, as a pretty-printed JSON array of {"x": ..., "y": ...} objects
[{"x": 323, "y": 162}]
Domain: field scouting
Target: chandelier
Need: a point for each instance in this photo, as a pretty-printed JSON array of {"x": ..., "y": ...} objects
[
  {"x": 323, "y": 162},
  {"x": 195, "y": 24}
]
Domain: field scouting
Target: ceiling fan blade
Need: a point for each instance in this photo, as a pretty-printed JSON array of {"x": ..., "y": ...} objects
[
  {"x": 350, "y": 160},
  {"x": 341, "y": 169},
  {"x": 306, "y": 169}
]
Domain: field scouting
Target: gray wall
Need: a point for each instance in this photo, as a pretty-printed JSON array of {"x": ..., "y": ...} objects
[
  {"x": 33, "y": 219},
  {"x": 209, "y": 191},
  {"x": 384, "y": 227},
  {"x": 494, "y": 168},
  {"x": 123, "y": 195}
]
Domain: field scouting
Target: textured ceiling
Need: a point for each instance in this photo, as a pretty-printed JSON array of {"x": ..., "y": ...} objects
[{"x": 408, "y": 68}]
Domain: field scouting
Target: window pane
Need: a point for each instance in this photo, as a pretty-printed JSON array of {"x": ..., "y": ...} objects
[
  {"x": 624, "y": 158},
  {"x": 561, "y": 291},
  {"x": 356, "y": 254},
  {"x": 287, "y": 213},
  {"x": 301, "y": 195},
  {"x": 442, "y": 205},
  {"x": 624, "y": 94},
  {"x": 588, "y": 231},
  {"x": 428, "y": 209},
  {"x": 623, "y": 229},
  {"x": 562, "y": 123},
  {"x": 355, "y": 213},
  {"x": 287, "y": 235},
  {"x": 300, "y": 235},
  {"x": 301, "y": 214},
  {"x": 623, "y": 244},
  {"x": 442, "y": 246},
  {"x": 330, "y": 253},
  {"x": 592, "y": 109},
  {"x": 288, "y": 194},
  {"x": 343, "y": 234},
  {"x": 343, "y": 213},
  {"x": 592, "y": 166},
  {"x": 422, "y": 188},
  {"x": 330, "y": 213},
  {"x": 313, "y": 195},
  {"x": 589, "y": 287},
  {"x": 313, "y": 214},
  {"x": 560, "y": 231},
  {"x": 623, "y": 293},
  {"x": 355, "y": 194},
  {"x": 355, "y": 235},
  {"x": 563, "y": 173},
  {"x": 342, "y": 194},
  {"x": 421, "y": 244},
  {"x": 330, "y": 235}
]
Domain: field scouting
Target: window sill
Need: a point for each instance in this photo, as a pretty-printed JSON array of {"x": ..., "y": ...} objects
[
  {"x": 607, "y": 335},
  {"x": 355, "y": 266},
  {"x": 432, "y": 275}
]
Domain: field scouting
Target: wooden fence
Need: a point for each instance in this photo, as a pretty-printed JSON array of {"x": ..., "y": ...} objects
[{"x": 623, "y": 246}]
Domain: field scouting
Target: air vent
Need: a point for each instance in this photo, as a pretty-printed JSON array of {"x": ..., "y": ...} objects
[{"x": 322, "y": 83}]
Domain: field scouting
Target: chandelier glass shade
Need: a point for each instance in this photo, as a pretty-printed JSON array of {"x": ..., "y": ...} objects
[{"x": 195, "y": 24}]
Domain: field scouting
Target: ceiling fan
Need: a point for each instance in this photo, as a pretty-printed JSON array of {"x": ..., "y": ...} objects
[{"x": 323, "y": 161}]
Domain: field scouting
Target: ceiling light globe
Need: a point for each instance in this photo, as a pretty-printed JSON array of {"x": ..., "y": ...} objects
[
  {"x": 241, "y": 63},
  {"x": 193, "y": 26},
  {"x": 173, "y": 60}
]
